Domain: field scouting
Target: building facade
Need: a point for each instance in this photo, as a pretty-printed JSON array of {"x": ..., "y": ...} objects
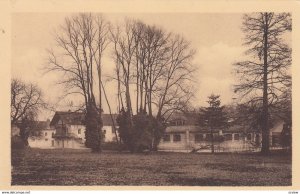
[
  {"x": 184, "y": 134},
  {"x": 70, "y": 129}
]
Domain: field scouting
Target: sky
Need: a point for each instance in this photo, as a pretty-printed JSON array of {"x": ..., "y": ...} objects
[{"x": 217, "y": 39}]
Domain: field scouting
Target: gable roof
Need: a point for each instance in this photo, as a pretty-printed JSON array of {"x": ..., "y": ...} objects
[
  {"x": 190, "y": 118},
  {"x": 68, "y": 117},
  {"x": 41, "y": 125},
  {"x": 77, "y": 118}
]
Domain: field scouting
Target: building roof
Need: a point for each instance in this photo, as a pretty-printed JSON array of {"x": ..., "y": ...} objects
[
  {"x": 35, "y": 125},
  {"x": 190, "y": 118},
  {"x": 41, "y": 125},
  {"x": 77, "y": 118},
  {"x": 106, "y": 119}
]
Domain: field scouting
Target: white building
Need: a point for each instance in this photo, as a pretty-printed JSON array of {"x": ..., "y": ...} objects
[
  {"x": 43, "y": 135},
  {"x": 184, "y": 134},
  {"x": 70, "y": 129}
]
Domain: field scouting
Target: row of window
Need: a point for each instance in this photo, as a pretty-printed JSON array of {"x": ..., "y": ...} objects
[
  {"x": 78, "y": 132},
  {"x": 177, "y": 123},
  {"x": 47, "y": 134},
  {"x": 176, "y": 137},
  {"x": 204, "y": 137}
]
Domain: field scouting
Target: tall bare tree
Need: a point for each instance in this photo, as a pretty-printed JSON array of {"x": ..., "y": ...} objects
[
  {"x": 158, "y": 63},
  {"x": 264, "y": 77},
  {"x": 81, "y": 42}
]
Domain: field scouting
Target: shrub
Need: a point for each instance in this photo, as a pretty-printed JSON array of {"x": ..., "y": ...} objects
[
  {"x": 143, "y": 132},
  {"x": 17, "y": 143},
  {"x": 93, "y": 124}
]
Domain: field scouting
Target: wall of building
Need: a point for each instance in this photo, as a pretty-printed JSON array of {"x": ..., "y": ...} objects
[
  {"x": 174, "y": 142},
  {"x": 45, "y": 141},
  {"x": 77, "y": 131},
  {"x": 109, "y": 134},
  {"x": 69, "y": 143},
  {"x": 233, "y": 142}
]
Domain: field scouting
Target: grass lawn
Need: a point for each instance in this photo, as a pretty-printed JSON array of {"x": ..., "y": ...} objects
[{"x": 78, "y": 167}]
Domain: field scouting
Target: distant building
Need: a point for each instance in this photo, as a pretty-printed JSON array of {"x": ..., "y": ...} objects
[
  {"x": 183, "y": 133},
  {"x": 70, "y": 129},
  {"x": 41, "y": 135}
]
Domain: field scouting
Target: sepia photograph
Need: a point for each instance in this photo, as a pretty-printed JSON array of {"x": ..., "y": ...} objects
[{"x": 151, "y": 99}]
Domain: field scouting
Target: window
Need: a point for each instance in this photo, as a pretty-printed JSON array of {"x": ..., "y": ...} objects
[
  {"x": 52, "y": 134},
  {"x": 275, "y": 140},
  {"x": 178, "y": 122},
  {"x": 249, "y": 136},
  {"x": 104, "y": 131},
  {"x": 227, "y": 137},
  {"x": 79, "y": 131},
  {"x": 177, "y": 137},
  {"x": 167, "y": 137},
  {"x": 46, "y": 139},
  {"x": 45, "y": 133},
  {"x": 236, "y": 136},
  {"x": 52, "y": 143},
  {"x": 199, "y": 137}
]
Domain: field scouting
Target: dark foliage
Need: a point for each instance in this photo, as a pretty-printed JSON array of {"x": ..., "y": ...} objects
[
  {"x": 26, "y": 126},
  {"x": 143, "y": 133},
  {"x": 286, "y": 136},
  {"x": 214, "y": 118},
  {"x": 17, "y": 143},
  {"x": 93, "y": 125}
]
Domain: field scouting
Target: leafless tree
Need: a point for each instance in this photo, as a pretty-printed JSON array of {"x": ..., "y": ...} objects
[
  {"x": 81, "y": 41},
  {"x": 26, "y": 102},
  {"x": 264, "y": 77},
  {"x": 175, "y": 88},
  {"x": 158, "y": 63},
  {"x": 26, "y": 99},
  {"x": 123, "y": 52}
]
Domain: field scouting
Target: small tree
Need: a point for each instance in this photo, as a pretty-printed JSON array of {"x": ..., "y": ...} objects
[
  {"x": 213, "y": 117},
  {"x": 26, "y": 101},
  {"x": 26, "y": 124}
]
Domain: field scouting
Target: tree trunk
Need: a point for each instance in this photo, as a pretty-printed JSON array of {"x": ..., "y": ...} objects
[
  {"x": 265, "y": 123},
  {"x": 109, "y": 108}
]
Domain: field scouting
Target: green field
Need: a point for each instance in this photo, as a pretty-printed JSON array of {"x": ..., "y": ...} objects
[{"x": 78, "y": 167}]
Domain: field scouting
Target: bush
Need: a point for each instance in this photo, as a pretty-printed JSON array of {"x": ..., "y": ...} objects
[
  {"x": 17, "y": 143},
  {"x": 142, "y": 133},
  {"x": 93, "y": 123}
]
